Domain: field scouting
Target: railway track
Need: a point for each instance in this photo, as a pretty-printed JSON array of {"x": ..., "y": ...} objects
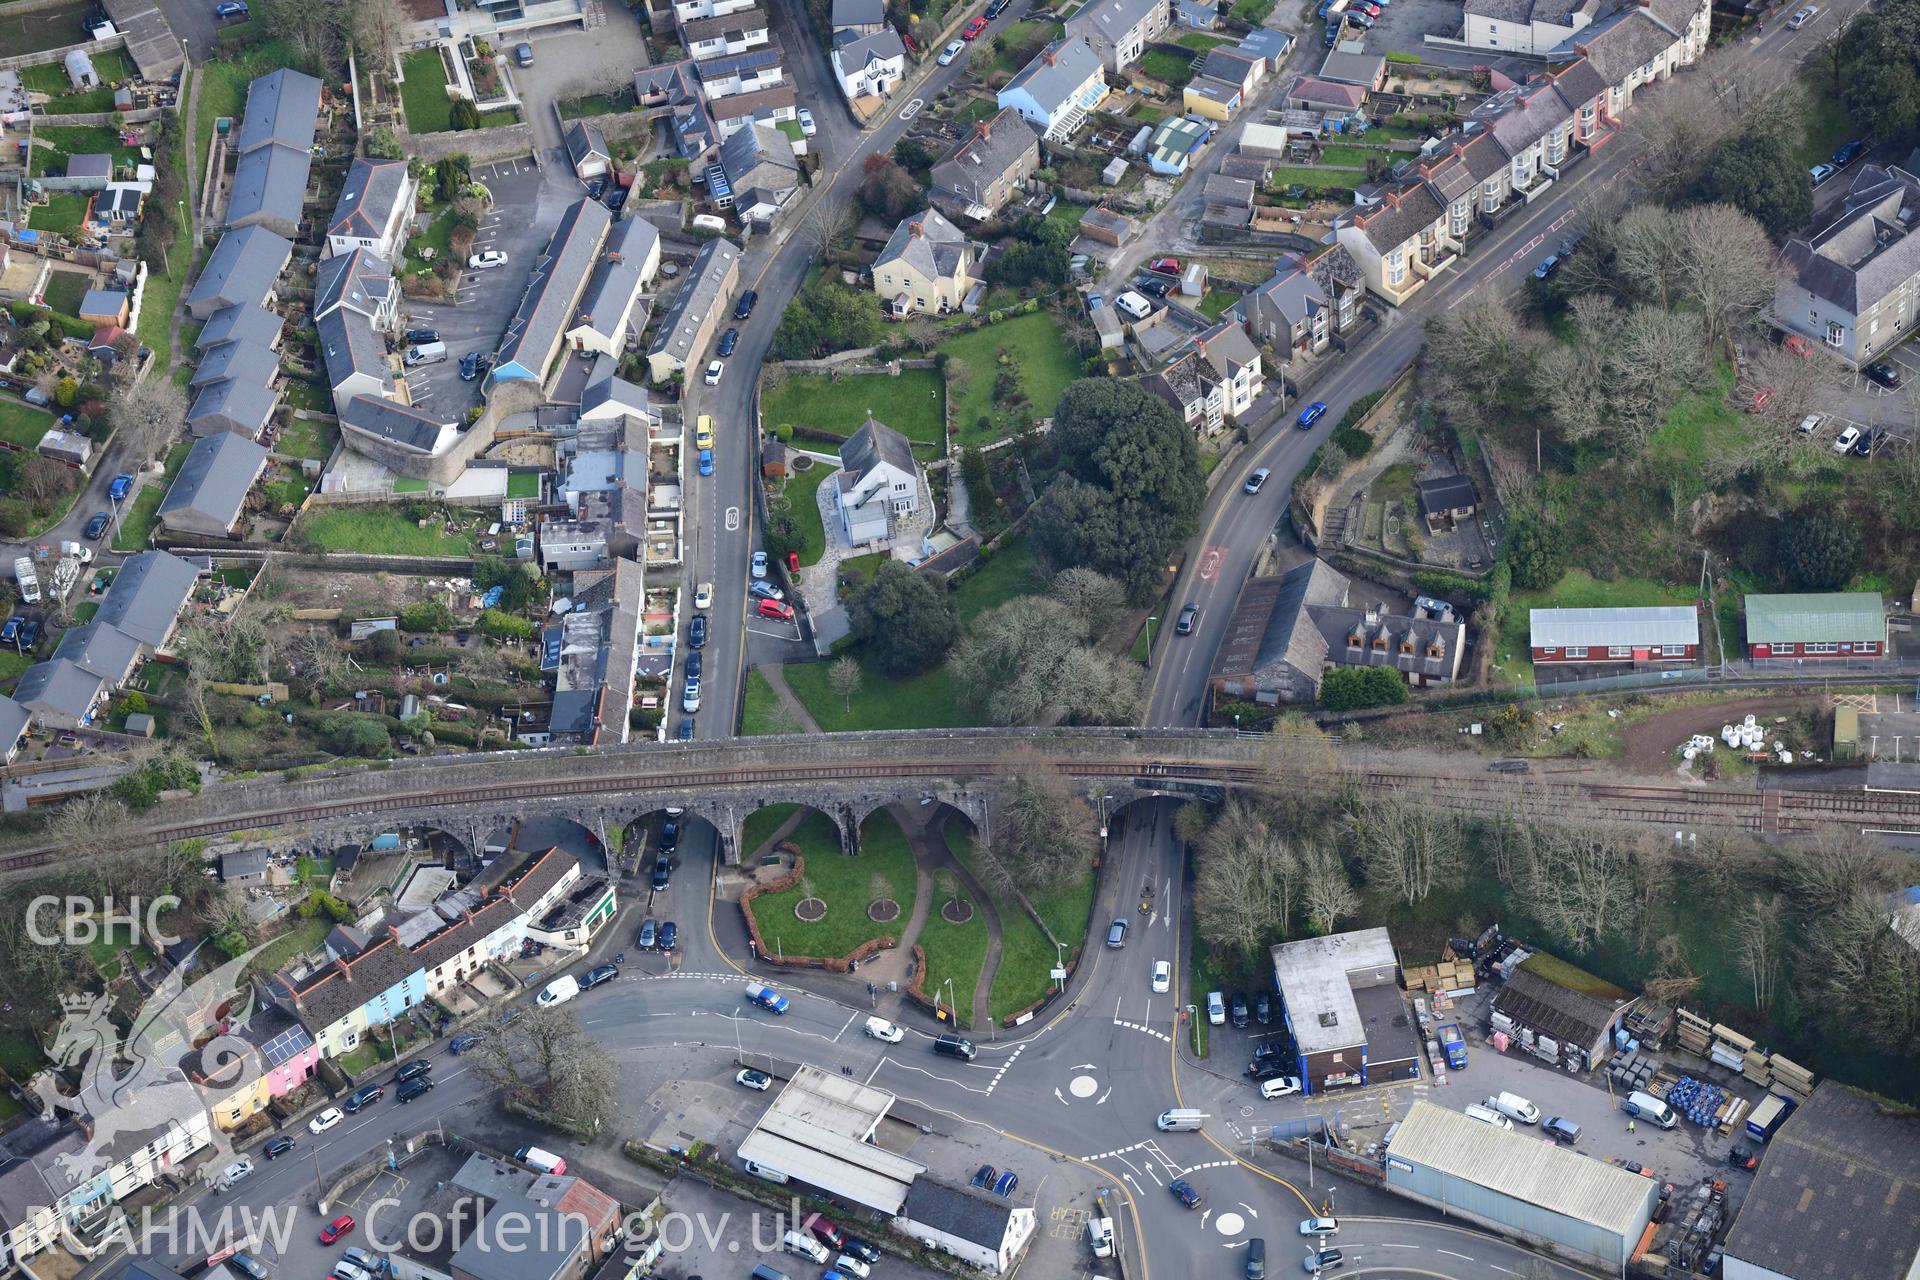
[{"x": 1554, "y": 792}]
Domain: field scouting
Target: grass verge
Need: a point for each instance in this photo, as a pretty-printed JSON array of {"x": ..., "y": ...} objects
[{"x": 848, "y": 886}]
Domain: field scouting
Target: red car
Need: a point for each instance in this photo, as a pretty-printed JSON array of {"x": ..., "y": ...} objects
[
  {"x": 337, "y": 1228},
  {"x": 1170, "y": 266},
  {"x": 1367, "y": 7},
  {"x": 779, "y": 610},
  {"x": 974, "y": 28}
]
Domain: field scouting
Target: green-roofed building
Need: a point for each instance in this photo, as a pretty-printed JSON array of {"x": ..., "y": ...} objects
[{"x": 1817, "y": 625}]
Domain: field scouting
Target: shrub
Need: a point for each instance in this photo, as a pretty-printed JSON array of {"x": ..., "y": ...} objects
[
  {"x": 426, "y": 615},
  {"x": 1354, "y": 688},
  {"x": 1354, "y": 442},
  {"x": 505, "y": 626}
]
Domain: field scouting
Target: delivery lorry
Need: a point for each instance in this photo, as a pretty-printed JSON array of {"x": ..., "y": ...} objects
[{"x": 29, "y": 581}]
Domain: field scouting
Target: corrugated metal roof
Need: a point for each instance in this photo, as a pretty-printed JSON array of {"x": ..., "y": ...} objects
[
  {"x": 1816, "y": 616},
  {"x": 1636, "y": 625},
  {"x": 1520, "y": 1165},
  {"x": 816, "y": 1131}
]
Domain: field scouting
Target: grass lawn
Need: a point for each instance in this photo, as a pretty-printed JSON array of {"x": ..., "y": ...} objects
[
  {"x": 954, "y": 951},
  {"x": 1577, "y": 590},
  {"x": 137, "y": 524},
  {"x": 306, "y": 438},
  {"x": 154, "y": 324},
  {"x": 1017, "y": 44},
  {"x": 381, "y": 532},
  {"x": 912, "y": 404},
  {"x": 1026, "y": 956},
  {"x": 802, "y": 492},
  {"x": 64, "y": 292},
  {"x": 37, "y": 30},
  {"x": 756, "y": 714},
  {"x": 22, "y": 424},
  {"x": 1824, "y": 127},
  {"x": 978, "y": 109},
  {"x": 20, "y": 1057},
  {"x": 1167, "y": 67},
  {"x": 1699, "y": 424},
  {"x": 523, "y": 484},
  {"x": 1355, "y": 156},
  {"x": 759, "y": 828},
  {"x": 1065, "y": 214},
  {"x": 1200, "y": 43},
  {"x": 1216, "y": 303},
  {"x": 54, "y": 143},
  {"x": 1046, "y": 363},
  {"x": 1010, "y": 573},
  {"x": 424, "y": 92},
  {"x": 302, "y": 936},
  {"x": 883, "y": 869},
  {"x": 438, "y": 237},
  {"x": 1287, "y": 175},
  {"x": 63, "y": 99},
  {"x": 928, "y": 700},
  {"x": 13, "y": 665},
  {"x": 61, "y": 214},
  {"x": 409, "y": 484},
  {"x": 595, "y": 104}
]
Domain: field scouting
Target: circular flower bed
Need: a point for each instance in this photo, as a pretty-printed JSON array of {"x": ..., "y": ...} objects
[
  {"x": 810, "y": 910},
  {"x": 956, "y": 911},
  {"x": 883, "y": 910}
]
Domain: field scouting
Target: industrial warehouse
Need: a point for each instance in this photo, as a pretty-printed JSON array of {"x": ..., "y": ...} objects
[{"x": 1340, "y": 997}]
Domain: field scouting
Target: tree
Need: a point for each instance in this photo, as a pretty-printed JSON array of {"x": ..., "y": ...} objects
[
  {"x": 426, "y": 615},
  {"x": 1819, "y": 552},
  {"x": 887, "y": 190},
  {"x": 376, "y": 31},
  {"x": 904, "y": 619},
  {"x": 1326, "y": 889},
  {"x": 465, "y": 114},
  {"x": 828, "y": 316},
  {"x": 1094, "y": 599},
  {"x": 1728, "y": 269},
  {"x": 911, "y": 153},
  {"x": 547, "y": 1060},
  {"x": 1246, "y": 877},
  {"x": 1477, "y": 361},
  {"x": 314, "y": 31},
  {"x": 1535, "y": 550},
  {"x": 844, "y": 678},
  {"x": 1759, "y": 932},
  {"x": 973, "y": 463},
  {"x": 1043, "y": 834},
  {"x": 316, "y": 658},
  {"x": 1757, "y": 172},
  {"x": 1035, "y": 253},
  {"x": 1355, "y": 688},
  {"x": 1031, "y": 661},
  {"x": 352, "y": 734},
  {"x": 450, "y": 176},
  {"x": 1132, "y": 489},
  {"x": 1406, "y": 845},
  {"x": 1577, "y": 878}
]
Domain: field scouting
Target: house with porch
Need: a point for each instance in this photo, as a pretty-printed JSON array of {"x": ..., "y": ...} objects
[
  {"x": 928, "y": 266},
  {"x": 878, "y": 482},
  {"x": 868, "y": 66},
  {"x": 1059, "y": 88}
]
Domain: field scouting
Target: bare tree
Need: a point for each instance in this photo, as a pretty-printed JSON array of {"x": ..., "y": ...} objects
[
  {"x": 1031, "y": 661},
  {"x": 1247, "y": 876},
  {"x": 1472, "y": 353},
  {"x": 1646, "y": 255},
  {"x": 1759, "y": 930},
  {"x": 377, "y": 30},
  {"x": 1406, "y": 845},
  {"x": 148, "y": 414},
  {"x": 781, "y": 719},
  {"x": 1728, "y": 269},
  {"x": 1089, "y": 595},
  {"x": 318, "y": 659},
  {"x": 1679, "y": 127},
  {"x": 1673, "y": 979},
  {"x": 1043, "y": 834},
  {"x": 844, "y": 678},
  {"x": 1578, "y": 879},
  {"x": 1326, "y": 889},
  {"x": 547, "y": 1059},
  {"x": 91, "y": 825}
]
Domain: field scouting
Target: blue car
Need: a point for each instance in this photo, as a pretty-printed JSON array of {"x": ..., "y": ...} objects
[
  {"x": 1848, "y": 153},
  {"x": 30, "y": 634},
  {"x": 463, "y": 1042},
  {"x": 686, "y": 729},
  {"x": 10, "y": 630},
  {"x": 728, "y": 341},
  {"x": 697, "y": 632},
  {"x": 1312, "y": 413},
  {"x": 1008, "y": 1181},
  {"x": 669, "y": 936},
  {"x": 706, "y": 462},
  {"x": 231, "y": 9},
  {"x": 122, "y": 486}
]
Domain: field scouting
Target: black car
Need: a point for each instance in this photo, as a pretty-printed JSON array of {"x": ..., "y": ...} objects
[
  {"x": 693, "y": 666},
  {"x": 1183, "y": 1192},
  {"x": 1884, "y": 374},
  {"x": 97, "y": 526},
  {"x": 30, "y": 634},
  {"x": 1237, "y": 1010},
  {"x": 994, "y": 10},
  {"x": 615, "y": 199},
  {"x": 855, "y": 1245},
  {"x": 413, "y": 1089},
  {"x": 669, "y": 936},
  {"x": 278, "y": 1147},
  {"x": 417, "y": 336},
  {"x": 1325, "y": 1260},
  {"x": 697, "y": 632},
  {"x": 1267, "y": 1069},
  {"x": 1863, "y": 447},
  {"x": 1188, "y": 616},
  {"x": 1154, "y": 285},
  {"x": 597, "y": 975},
  {"x": 596, "y": 188},
  {"x": 1263, "y": 1009},
  {"x": 469, "y": 366},
  {"x": 670, "y": 831},
  {"x": 745, "y": 307},
  {"x": 728, "y": 341},
  {"x": 247, "y": 1264},
  {"x": 662, "y": 871},
  {"x": 685, "y": 733},
  {"x": 983, "y": 1176},
  {"x": 463, "y": 1042},
  {"x": 418, "y": 1067},
  {"x": 363, "y": 1097}
]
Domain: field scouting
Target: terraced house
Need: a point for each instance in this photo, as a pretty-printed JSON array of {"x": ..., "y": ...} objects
[
  {"x": 987, "y": 167},
  {"x": 1518, "y": 143}
]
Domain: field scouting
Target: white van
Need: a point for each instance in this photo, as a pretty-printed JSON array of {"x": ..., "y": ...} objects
[
  {"x": 1648, "y": 1107},
  {"x": 799, "y": 1242},
  {"x": 1476, "y": 1112},
  {"x": 426, "y": 353},
  {"x": 881, "y": 1029},
  {"x": 768, "y": 1172},
  {"x": 1100, "y": 1236},
  {"x": 1180, "y": 1120},
  {"x": 1514, "y": 1107},
  {"x": 1134, "y": 305},
  {"x": 545, "y": 1161},
  {"x": 559, "y": 991}
]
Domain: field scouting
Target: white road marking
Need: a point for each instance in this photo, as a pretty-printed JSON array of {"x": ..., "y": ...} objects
[
  {"x": 1451, "y": 1254},
  {"x": 843, "y": 1030}
]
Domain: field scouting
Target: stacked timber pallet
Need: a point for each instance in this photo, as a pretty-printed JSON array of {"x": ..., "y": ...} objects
[
  {"x": 1694, "y": 1032},
  {"x": 1725, "y": 1047},
  {"x": 1453, "y": 977}
]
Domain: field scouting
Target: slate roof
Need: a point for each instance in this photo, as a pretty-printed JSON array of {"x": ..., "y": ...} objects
[
  {"x": 367, "y": 201},
  {"x": 1400, "y": 220},
  {"x": 603, "y": 388},
  {"x": 1867, "y": 252},
  {"x": 1626, "y": 625},
  {"x": 1114, "y": 18},
  {"x": 361, "y": 280},
  {"x": 1292, "y": 293},
  {"x": 1270, "y": 625},
  {"x": 928, "y": 243},
  {"x": 697, "y": 298},
  {"x": 244, "y": 359},
  {"x": 402, "y": 424},
  {"x": 243, "y": 268},
  {"x": 1816, "y": 616},
  {"x": 856, "y": 51},
  {"x": 214, "y": 480},
  {"x": 248, "y": 404},
  {"x": 858, "y": 13},
  {"x": 349, "y": 345},
  {"x": 282, "y": 106},
  {"x": 14, "y": 720},
  {"x": 1580, "y": 82},
  {"x": 99, "y": 647},
  {"x": 1560, "y": 1011},
  {"x": 961, "y": 1212},
  {"x": 760, "y": 155},
  {"x": 1327, "y": 93},
  {"x": 1843, "y": 1173},
  {"x": 726, "y": 25},
  {"x": 873, "y": 443},
  {"x": 761, "y": 104},
  {"x": 147, "y": 596},
  {"x": 243, "y": 864},
  {"x": 557, "y": 278},
  {"x": 988, "y": 152},
  {"x": 609, "y": 296},
  {"x": 1056, "y": 73},
  {"x": 1224, "y": 92},
  {"x": 269, "y": 181},
  {"x": 1335, "y": 270},
  {"x": 584, "y": 140},
  {"x": 90, "y": 165},
  {"x": 1230, "y": 65},
  {"x": 1529, "y": 115},
  {"x": 245, "y": 320},
  {"x": 1446, "y": 494},
  {"x": 1620, "y": 44},
  {"x": 1558, "y": 13},
  {"x": 345, "y": 985},
  {"x": 60, "y": 686},
  {"x": 724, "y": 65}
]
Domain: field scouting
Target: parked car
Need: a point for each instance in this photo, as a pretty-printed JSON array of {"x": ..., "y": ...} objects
[
  {"x": 1847, "y": 153},
  {"x": 861, "y": 1249},
  {"x": 1548, "y": 265},
  {"x": 1237, "y": 1010},
  {"x": 328, "y": 1118},
  {"x": 600, "y": 973},
  {"x": 1263, "y": 1009},
  {"x": 30, "y": 634},
  {"x": 973, "y": 29},
  {"x": 752, "y": 1079},
  {"x": 712, "y": 375},
  {"x": 828, "y": 1230},
  {"x": 1183, "y": 1192},
  {"x": 361, "y": 1258},
  {"x": 1008, "y": 1181},
  {"x": 487, "y": 258},
  {"x": 1359, "y": 20},
  {"x": 1862, "y": 448},
  {"x": 952, "y": 51},
  {"x": 418, "y": 1067},
  {"x": 669, "y": 936},
  {"x": 1810, "y": 423},
  {"x": 1171, "y": 266},
  {"x": 337, "y": 1228},
  {"x": 523, "y": 54},
  {"x": 765, "y": 591},
  {"x": 413, "y": 1089},
  {"x": 1312, "y": 414},
  {"x": 662, "y": 873},
  {"x": 728, "y": 341},
  {"x": 758, "y": 565},
  {"x": 97, "y": 527},
  {"x": 10, "y": 629},
  {"x": 744, "y": 308},
  {"x": 1322, "y": 1260},
  {"x": 232, "y": 9},
  {"x": 1257, "y": 480},
  {"x": 685, "y": 732},
  {"x": 703, "y": 596},
  {"x": 1189, "y": 614},
  {"x": 704, "y": 460},
  {"x": 1154, "y": 286},
  {"x": 1802, "y": 16},
  {"x": 693, "y": 665},
  {"x": 1846, "y": 439},
  {"x": 363, "y": 1097},
  {"x": 247, "y": 1264},
  {"x": 648, "y": 936},
  {"x": 422, "y": 334},
  {"x": 1162, "y": 977},
  {"x": 1883, "y": 373},
  {"x": 778, "y": 610},
  {"x": 1821, "y": 172},
  {"x": 697, "y": 632},
  {"x": 1279, "y": 1087},
  {"x": 983, "y": 1176},
  {"x": 278, "y": 1147},
  {"x": 463, "y": 1042},
  {"x": 122, "y": 485},
  {"x": 807, "y": 127},
  {"x": 344, "y": 1270}
]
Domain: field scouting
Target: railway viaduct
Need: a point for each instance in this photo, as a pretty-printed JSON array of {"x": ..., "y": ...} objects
[{"x": 849, "y": 776}]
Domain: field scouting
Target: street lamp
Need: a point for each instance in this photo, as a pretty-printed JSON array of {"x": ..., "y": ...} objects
[{"x": 1150, "y": 621}]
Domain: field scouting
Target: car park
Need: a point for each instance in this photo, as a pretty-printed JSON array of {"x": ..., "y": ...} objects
[
  {"x": 697, "y": 631},
  {"x": 1256, "y": 480},
  {"x": 1008, "y": 1181},
  {"x": 1162, "y": 977},
  {"x": 97, "y": 526},
  {"x": 1360, "y": 20},
  {"x": 807, "y": 127},
  {"x": 1312, "y": 414},
  {"x": 758, "y": 565},
  {"x": 1802, "y": 16},
  {"x": 523, "y": 54},
  {"x": 1263, "y": 1009},
  {"x": 1279, "y": 1087},
  {"x": 1189, "y": 614},
  {"x": 744, "y": 308},
  {"x": 472, "y": 366},
  {"x": 122, "y": 485},
  {"x": 765, "y": 591},
  {"x": 973, "y": 29},
  {"x": 488, "y": 258},
  {"x": 983, "y": 1176},
  {"x": 1821, "y": 172},
  {"x": 1846, "y": 439},
  {"x": 752, "y": 1079},
  {"x": 277, "y": 1147},
  {"x": 1883, "y": 373},
  {"x": 952, "y": 51},
  {"x": 1183, "y": 1192},
  {"x": 778, "y": 610},
  {"x": 728, "y": 341},
  {"x": 340, "y": 1226}
]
